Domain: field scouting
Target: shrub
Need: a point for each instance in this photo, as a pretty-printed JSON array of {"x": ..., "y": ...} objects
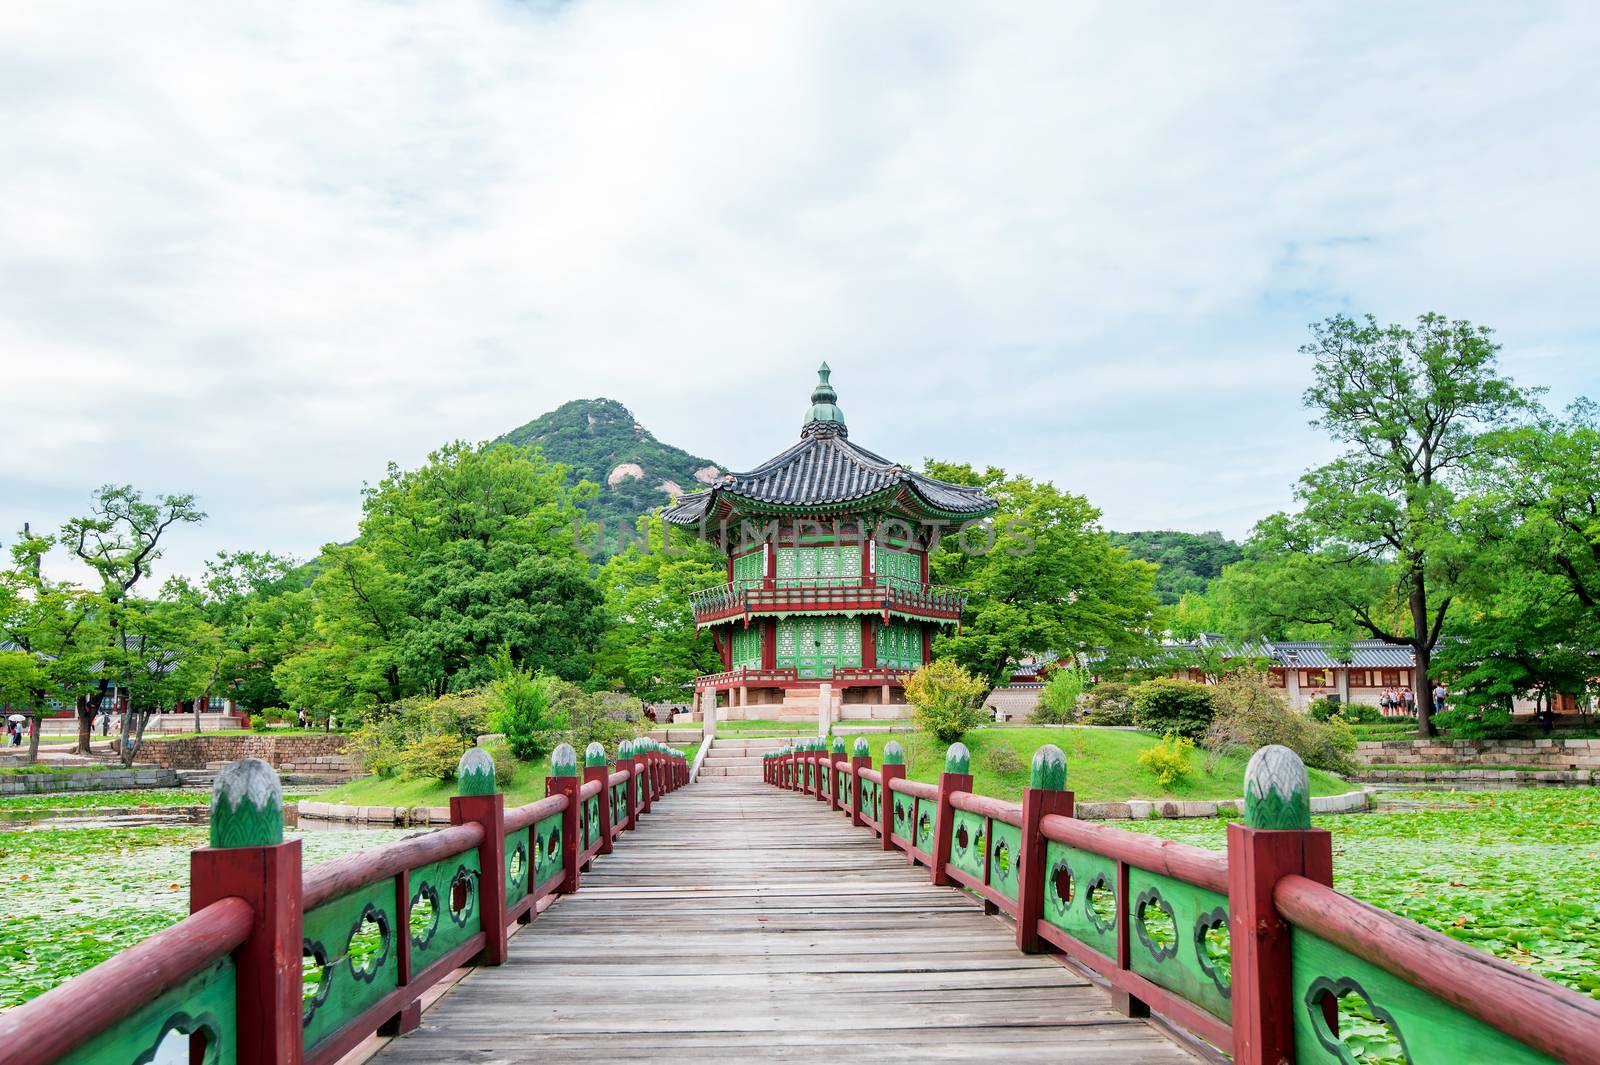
[
  {"x": 382, "y": 743},
  {"x": 1108, "y": 703},
  {"x": 522, "y": 708},
  {"x": 1251, "y": 714},
  {"x": 505, "y": 763},
  {"x": 1321, "y": 708},
  {"x": 431, "y": 757},
  {"x": 1180, "y": 706},
  {"x": 1168, "y": 759},
  {"x": 1467, "y": 722},
  {"x": 259, "y": 723},
  {"x": 1003, "y": 760},
  {"x": 945, "y": 700},
  {"x": 1058, "y": 702}
]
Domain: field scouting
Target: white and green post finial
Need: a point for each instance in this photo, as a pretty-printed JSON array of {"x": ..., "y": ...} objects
[
  {"x": 564, "y": 761},
  {"x": 1049, "y": 770},
  {"x": 1277, "y": 791},
  {"x": 594, "y": 755},
  {"x": 859, "y": 749},
  {"x": 893, "y": 753},
  {"x": 247, "y": 806},
  {"x": 475, "y": 773},
  {"x": 958, "y": 759}
]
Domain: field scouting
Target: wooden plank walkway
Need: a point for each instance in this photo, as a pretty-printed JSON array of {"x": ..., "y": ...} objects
[{"x": 745, "y": 924}]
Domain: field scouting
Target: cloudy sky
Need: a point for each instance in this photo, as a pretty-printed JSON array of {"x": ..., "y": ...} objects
[{"x": 256, "y": 251}]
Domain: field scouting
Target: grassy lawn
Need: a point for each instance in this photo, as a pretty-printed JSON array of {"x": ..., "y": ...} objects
[
  {"x": 526, "y": 786},
  {"x": 1515, "y": 873},
  {"x": 101, "y": 800},
  {"x": 1102, "y": 764}
]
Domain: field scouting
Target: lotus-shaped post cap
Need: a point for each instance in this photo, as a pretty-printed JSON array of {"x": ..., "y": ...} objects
[
  {"x": 1049, "y": 769},
  {"x": 860, "y": 749},
  {"x": 893, "y": 753},
  {"x": 838, "y": 745},
  {"x": 594, "y": 754},
  {"x": 247, "y": 806},
  {"x": 958, "y": 759},
  {"x": 1277, "y": 790},
  {"x": 564, "y": 761},
  {"x": 625, "y": 749},
  {"x": 475, "y": 773}
]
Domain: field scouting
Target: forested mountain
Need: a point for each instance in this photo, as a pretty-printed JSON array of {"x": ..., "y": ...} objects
[
  {"x": 1188, "y": 561},
  {"x": 599, "y": 440}
]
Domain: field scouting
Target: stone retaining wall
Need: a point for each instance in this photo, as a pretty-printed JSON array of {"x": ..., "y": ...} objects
[
  {"x": 199, "y": 751},
  {"x": 95, "y": 780},
  {"x": 1482, "y": 754},
  {"x": 1498, "y": 778}
]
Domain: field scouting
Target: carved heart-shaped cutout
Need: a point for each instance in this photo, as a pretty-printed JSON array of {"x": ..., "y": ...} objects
[
  {"x": 1367, "y": 1033},
  {"x": 1214, "y": 949},
  {"x": 184, "y": 1040},
  {"x": 1157, "y": 925}
]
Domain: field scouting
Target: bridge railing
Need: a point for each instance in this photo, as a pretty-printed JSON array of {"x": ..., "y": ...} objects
[
  {"x": 275, "y": 966},
  {"x": 1250, "y": 949}
]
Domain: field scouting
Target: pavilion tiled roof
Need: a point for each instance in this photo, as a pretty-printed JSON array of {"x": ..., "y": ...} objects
[{"x": 826, "y": 470}]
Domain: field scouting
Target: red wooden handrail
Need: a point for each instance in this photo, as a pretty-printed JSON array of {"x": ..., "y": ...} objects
[
  {"x": 64, "y": 1018},
  {"x": 523, "y": 816},
  {"x": 1527, "y": 1007},
  {"x": 589, "y": 790},
  {"x": 871, "y": 774},
  {"x": 987, "y": 806},
  {"x": 621, "y": 776},
  {"x": 343, "y": 875},
  {"x": 912, "y": 787},
  {"x": 1192, "y": 865}
]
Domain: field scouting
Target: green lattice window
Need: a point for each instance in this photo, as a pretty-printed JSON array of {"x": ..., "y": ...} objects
[
  {"x": 747, "y": 647},
  {"x": 899, "y": 567},
  {"x": 814, "y": 647},
  {"x": 825, "y": 565},
  {"x": 899, "y": 645},
  {"x": 748, "y": 569}
]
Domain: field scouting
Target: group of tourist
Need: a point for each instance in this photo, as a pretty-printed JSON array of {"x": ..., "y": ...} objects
[{"x": 1404, "y": 701}]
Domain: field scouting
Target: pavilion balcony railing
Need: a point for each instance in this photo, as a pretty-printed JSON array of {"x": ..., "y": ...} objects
[
  {"x": 841, "y": 676},
  {"x": 849, "y": 595}
]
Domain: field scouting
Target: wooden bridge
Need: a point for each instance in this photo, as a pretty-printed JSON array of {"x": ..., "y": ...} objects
[{"x": 832, "y": 908}]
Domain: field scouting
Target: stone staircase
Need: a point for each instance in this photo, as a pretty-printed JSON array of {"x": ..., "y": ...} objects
[{"x": 732, "y": 758}]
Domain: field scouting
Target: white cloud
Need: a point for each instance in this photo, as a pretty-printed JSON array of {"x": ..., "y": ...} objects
[{"x": 255, "y": 253}]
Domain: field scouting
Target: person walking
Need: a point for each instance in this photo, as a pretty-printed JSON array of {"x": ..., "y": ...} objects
[
  {"x": 1408, "y": 699},
  {"x": 1438, "y": 697}
]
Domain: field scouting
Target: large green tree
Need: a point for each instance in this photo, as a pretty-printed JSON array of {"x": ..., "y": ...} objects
[
  {"x": 651, "y": 648},
  {"x": 1042, "y": 575},
  {"x": 1379, "y": 547}
]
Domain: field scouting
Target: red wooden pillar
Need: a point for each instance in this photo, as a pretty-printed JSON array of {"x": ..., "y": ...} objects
[
  {"x": 894, "y": 768},
  {"x": 480, "y": 802},
  {"x": 957, "y": 776},
  {"x": 595, "y": 768},
  {"x": 819, "y": 769},
  {"x": 248, "y": 858},
  {"x": 1275, "y": 841},
  {"x": 563, "y": 780},
  {"x": 641, "y": 765},
  {"x": 835, "y": 762},
  {"x": 859, "y": 760},
  {"x": 1045, "y": 794},
  {"x": 629, "y": 798},
  {"x": 869, "y": 642}
]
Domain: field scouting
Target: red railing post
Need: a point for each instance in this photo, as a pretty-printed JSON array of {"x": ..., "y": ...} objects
[
  {"x": 835, "y": 758},
  {"x": 957, "y": 776},
  {"x": 859, "y": 759},
  {"x": 819, "y": 767},
  {"x": 563, "y": 780},
  {"x": 894, "y": 768},
  {"x": 1045, "y": 794},
  {"x": 480, "y": 802},
  {"x": 641, "y": 765},
  {"x": 595, "y": 768},
  {"x": 1275, "y": 841},
  {"x": 626, "y": 763},
  {"x": 248, "y": 858}
]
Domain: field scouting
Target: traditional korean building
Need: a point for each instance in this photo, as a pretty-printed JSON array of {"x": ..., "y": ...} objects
[{"x": 827, "y": 591}]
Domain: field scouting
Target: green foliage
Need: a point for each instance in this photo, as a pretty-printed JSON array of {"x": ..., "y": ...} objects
[
  {"x": 650, "y": 647},
  {"x": 1003, "y": 761},
  {"x": 1168, "y": 760},
  {"x": 1058, "y": 701},
  {"x": 591, "y": 438},
  {"x": 944, "y": 699},
  {"x": 506, "y": 765},
  {"x": 1250, "y": 714},
  {"x": 1322, "y": 707},
  {"x": 1466, "y": 721},
  {"x": 522, "y": 707},
  {"x": 415, "y": 737},
  {"x": 1186, "y": 562},
  {"x": 1167, "y": 705},
  {"x": 431, "y": 757},
  {"x": 1108, "y": 703},
  {"x": 1052, "y": 580}
]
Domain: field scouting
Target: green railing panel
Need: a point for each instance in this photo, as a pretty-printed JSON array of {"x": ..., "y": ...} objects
[
  {"x": 444, "y": 907},
  {"x": 518, "y": 864},
  {"x": 638, "y": 790},
  {"x": 353, "y": 959},
  {"x": 905, "y": 817},
  {"x": 1005, "y": 850},
  {"x": 1072, "y": 876},
  {"x": 589, "y": 821},
  {"x": 927, "y": 820},
  {"x": 546, "y": 849},
  {"x": 159, "y": 1031},
  {"x": 619, "y": 803},
  {"x": 968, "y": 843},
  {"x": 870, "y": 795},
  {"x": 1167, "y": 939},
  {"x": 843, "y": 787},
  {"x": 1392, "y": 1020}
]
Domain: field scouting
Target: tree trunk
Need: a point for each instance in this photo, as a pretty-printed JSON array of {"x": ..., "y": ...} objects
[
  {"x": 197, "y": 714},
  {"x": 127, "y": 720},
  {"x": 1423, "y": 650},
  {"x": 35, "y": 726},
  {"x": 85, "y": 724},
  {"x": 131, "y": 744}
]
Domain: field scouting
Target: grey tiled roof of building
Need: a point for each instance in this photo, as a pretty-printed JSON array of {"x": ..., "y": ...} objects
[{"x": 826, "y": 469}]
